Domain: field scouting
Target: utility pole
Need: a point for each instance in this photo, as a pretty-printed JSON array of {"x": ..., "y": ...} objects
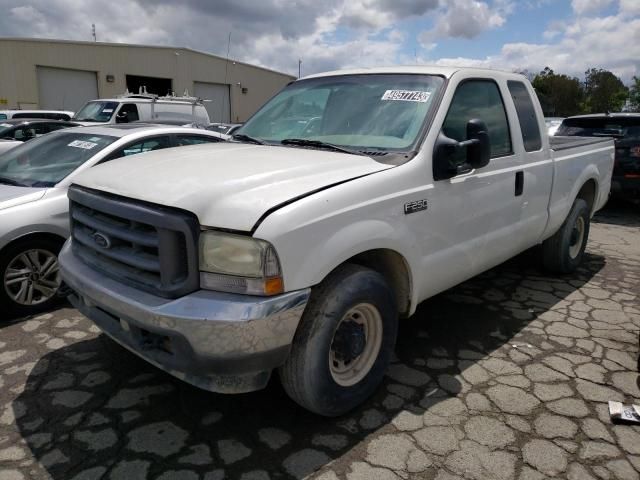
[
  {"x": 299, "y": 67},
  {"x": 93, "y": 32}
]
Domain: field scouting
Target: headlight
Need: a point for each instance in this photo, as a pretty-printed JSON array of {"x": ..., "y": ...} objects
[{"x": 239, "y": 264}]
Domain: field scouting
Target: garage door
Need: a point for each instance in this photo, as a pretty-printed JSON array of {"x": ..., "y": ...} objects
[
  {"x": 63, "y": 89},
  {"x": 219, "y": 108}
]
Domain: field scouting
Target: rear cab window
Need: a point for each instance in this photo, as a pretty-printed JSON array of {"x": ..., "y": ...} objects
[{"x": 526, "y": 116}]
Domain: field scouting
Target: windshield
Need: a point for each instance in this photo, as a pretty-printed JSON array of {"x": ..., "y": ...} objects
[
  {"x": 96, "y": 112},
  {"x": 627, "y": 128},
  {"x": 4, "y": 128},
  {"x": 46, "y": 160},
  {"x": 359, "y": 112}
]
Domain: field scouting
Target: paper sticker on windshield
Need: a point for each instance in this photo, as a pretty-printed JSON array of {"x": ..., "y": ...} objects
[
  {"x": 107, "y": 110},
  {"x": 81, "y": 144},
  {"x": 406, "y": 96}
]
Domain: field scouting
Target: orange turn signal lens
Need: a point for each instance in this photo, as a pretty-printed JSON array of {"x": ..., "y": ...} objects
[{"x": 273, "y": 286}]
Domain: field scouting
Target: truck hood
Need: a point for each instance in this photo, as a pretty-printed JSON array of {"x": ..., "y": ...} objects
[
  {"x": 226, "y": 185},
  {"x": 11, "y": 196}
]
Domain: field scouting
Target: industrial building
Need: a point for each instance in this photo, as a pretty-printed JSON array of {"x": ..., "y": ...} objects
[{"x": 63, "y": 75}]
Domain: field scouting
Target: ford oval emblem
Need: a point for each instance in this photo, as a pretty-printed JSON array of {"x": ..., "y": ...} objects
[{"x": 102, "y": 240}]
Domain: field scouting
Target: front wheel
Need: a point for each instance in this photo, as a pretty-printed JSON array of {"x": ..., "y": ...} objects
[
  {"x": 30, "y": 276},
  {"x": 344, "y": 342},
  {"x": 563, "y": 252}
]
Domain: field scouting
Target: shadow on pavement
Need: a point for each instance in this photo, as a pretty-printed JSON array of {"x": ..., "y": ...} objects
[
  {"x": 93, "y": 405},
  {"x": 619, "y": 212}
]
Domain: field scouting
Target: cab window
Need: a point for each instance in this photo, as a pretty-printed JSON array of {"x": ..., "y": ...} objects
[
  {"x": 479, "y": 99},
  {"x": 24, "y": 133},
  {"x": 127, "y": 113},
  {"x": 526, "y": 116},
  {"x": 183, "y": 140},
  {"x": 146, "y": 145}
]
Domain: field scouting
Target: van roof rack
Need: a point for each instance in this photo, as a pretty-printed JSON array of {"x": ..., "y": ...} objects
[{"x": 142, "y": 93}]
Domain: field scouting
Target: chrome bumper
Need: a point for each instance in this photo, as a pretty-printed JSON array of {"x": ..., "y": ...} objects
[{"x": 220, "y": 342}]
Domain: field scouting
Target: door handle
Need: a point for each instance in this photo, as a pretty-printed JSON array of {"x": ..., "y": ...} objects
[{"x": 519, "y": 183}]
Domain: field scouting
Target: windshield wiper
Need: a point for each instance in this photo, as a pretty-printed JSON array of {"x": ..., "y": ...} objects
[
  {"x": 304, "y": 142},
  {"x": 246, "y": 138},
  {"x": 9, "y": 181}
]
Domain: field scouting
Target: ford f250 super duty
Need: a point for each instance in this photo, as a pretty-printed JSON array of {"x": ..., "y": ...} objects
[{"x": 344, "y": 202}]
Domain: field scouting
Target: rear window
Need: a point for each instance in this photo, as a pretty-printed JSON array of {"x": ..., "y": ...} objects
[
  {"x": 526, "y": 116},
  {"x": 626, "y": 128}
]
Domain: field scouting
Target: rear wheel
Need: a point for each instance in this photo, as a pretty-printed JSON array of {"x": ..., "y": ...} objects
[
  {"x": 563, "y": 252},
  {"x": 30, "y": 276},
  {"x": 344, "y": 342}
]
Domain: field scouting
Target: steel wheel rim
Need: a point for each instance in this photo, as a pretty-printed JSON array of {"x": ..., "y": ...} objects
[
  {"x": 577, "y": 237},
  {"x": 32, "y": 277},
  {"x": 349, "y": 373}
]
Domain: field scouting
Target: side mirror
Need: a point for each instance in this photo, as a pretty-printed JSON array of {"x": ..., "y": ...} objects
[
  {"x": 478, "y": 152},
  {"x": 448, "y": 158}
]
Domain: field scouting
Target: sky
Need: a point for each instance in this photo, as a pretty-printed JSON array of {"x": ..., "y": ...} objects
[{"x": 569, "y": 36}]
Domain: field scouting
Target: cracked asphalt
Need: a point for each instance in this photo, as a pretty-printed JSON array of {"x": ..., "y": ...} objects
[{"x": 505, "y": 377}]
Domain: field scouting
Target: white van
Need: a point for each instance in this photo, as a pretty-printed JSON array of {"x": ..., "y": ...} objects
[{"x": 142, "y": 107}]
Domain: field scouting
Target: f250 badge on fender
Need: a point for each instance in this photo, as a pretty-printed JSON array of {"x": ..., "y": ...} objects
[{"x": 415, "y": 206}]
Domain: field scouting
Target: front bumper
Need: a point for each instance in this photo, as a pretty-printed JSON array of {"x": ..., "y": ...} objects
[{"x": 220, "y": 342}]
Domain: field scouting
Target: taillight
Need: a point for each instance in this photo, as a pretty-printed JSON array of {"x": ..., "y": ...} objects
[{"x": 634, "y": 151}]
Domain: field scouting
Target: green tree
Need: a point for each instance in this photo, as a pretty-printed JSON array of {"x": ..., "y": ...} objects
[
  {"x": 634, "y": 94},
  {"x": 604, "y": 92},
  {"x": 560, "y": 95}
]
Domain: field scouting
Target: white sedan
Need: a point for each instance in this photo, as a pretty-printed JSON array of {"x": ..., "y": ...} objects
[{"x": 34, "y": 178}]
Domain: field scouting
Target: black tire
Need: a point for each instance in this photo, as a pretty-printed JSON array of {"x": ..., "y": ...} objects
[
  {"x": 307, "y": 376},
  {"x": 8, "y": 304},
  {"x": 556, "y": 250}
]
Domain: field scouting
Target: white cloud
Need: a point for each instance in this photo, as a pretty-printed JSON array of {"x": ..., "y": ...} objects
[
  {"x": 606, "y": 42},
  {"x": 582, "y": 7},
  {"x": 467, "y": 19}
]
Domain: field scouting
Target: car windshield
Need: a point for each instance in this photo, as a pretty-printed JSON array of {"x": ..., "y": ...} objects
[
  {"x": 619, "y": 127},
  {"x": 46, "y": 160},
  {"x": 4, "y": 128},
  {"x": 356, "y": 112},
  {"x": 96, "y": 112}
]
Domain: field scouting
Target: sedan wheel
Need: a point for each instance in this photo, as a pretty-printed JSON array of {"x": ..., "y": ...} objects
[{"x": 32, "y": 277}]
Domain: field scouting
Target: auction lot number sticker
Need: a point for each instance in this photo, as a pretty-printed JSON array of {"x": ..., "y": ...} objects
[{"x": 406, "y": 96}]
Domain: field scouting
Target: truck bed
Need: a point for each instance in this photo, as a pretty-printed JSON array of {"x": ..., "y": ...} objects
[{"x": 564, "y": 143}]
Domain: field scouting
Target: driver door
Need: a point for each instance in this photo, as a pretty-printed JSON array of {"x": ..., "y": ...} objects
[{"x": 473, "y": 212}]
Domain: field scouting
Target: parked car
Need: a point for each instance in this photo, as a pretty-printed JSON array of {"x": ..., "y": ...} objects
[
  {"x": 33, "y": 200},
  {"x": 15, "y": 132},
  {"x": 300, "y": 253},
  {"x": 130, "y": 108},
  {"x": 625, "y": 129},
  {"x": 552, "y": 124},
  {"x": 48, "y": 114},
  {"x": 226, "y": 128}
]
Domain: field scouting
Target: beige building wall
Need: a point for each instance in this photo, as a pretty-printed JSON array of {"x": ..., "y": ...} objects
[{"x": 19, "y": 58}]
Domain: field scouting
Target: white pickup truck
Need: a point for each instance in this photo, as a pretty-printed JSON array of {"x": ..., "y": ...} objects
[{"x": 346, "y": 200}]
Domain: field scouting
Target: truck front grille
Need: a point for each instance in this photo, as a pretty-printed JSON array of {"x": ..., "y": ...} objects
[{"x": 147, "y": 246}]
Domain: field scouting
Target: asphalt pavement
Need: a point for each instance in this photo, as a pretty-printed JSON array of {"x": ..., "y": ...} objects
[{"x": 506, "y": 376}]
